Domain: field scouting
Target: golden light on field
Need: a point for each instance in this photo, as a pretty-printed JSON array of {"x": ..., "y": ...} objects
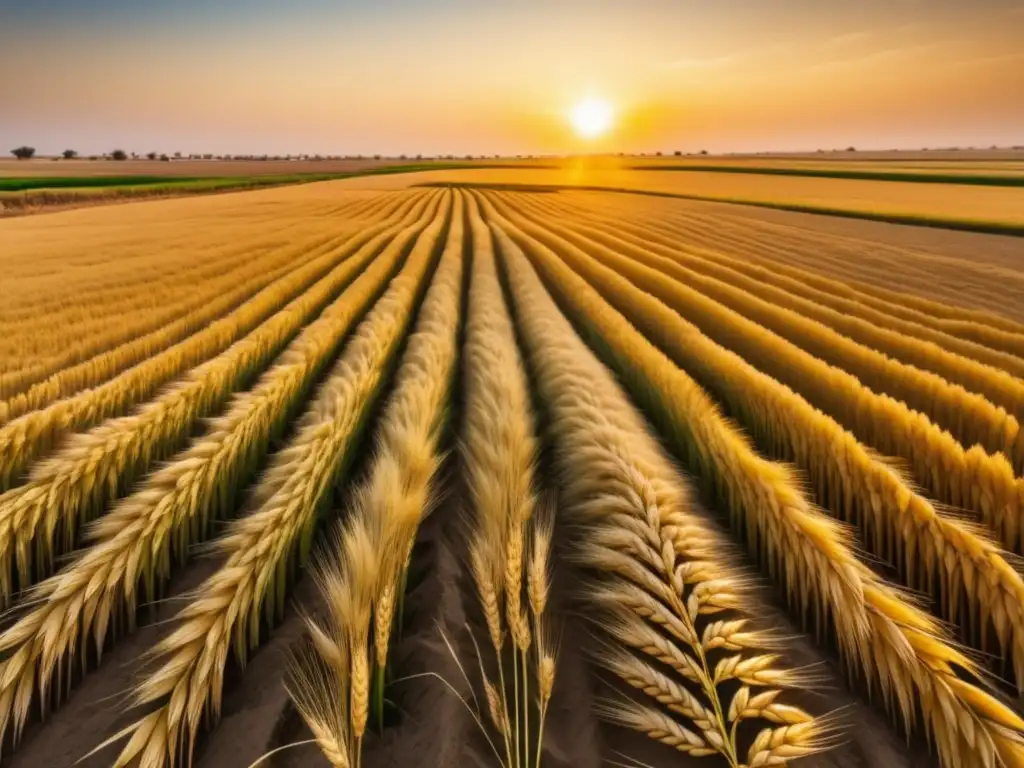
[{"x": 592, "y": 118}]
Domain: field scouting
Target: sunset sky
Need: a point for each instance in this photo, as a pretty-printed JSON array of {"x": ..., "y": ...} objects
[{"x": 477, "y": 76}]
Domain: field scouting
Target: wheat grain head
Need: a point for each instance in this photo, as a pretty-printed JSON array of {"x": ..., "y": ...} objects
[
  {"x": 132, "y": 547},
  {"x": 225, "y": 615},
  {"x": 898, "y": 645},
  {"x": 939, "y": 552}
]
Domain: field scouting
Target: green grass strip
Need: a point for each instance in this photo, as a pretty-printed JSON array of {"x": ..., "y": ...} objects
[{"x": 25, "y": 183}]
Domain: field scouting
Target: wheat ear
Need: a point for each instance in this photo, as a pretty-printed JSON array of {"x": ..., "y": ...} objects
[
  {"x": 660, "y": 563},
  {"x": 498, "y": 451},
  {"x": 225, "y": 614},
  {"x": 42, "y": 517},
  {"x": 937, "y": 553},
  {"x": 388, "y": 509},
  {"x": 215, "y": 298},
  {"x": 133, "y": 546},
  {"x": 795, "y": 542},
  {"x": 30, "y": 436}
]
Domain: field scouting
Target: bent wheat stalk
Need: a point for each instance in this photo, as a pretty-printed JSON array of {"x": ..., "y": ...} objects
[
  {"x": 32, "y": 435},
  {"x": 911, "y": 383},
  {"x": 970, "y": 478},
  {"x": 120, "y": 326},
  {"x": 42, "y": 517},
  {"x": 362, "y": 578},
  {"x": 936, "y": 552},
  {"x": 226, "y": 610},
  {"x": 802, "y": 291},
  {"x": 880, "y": 632},
  {"x": 132, "y": 548},
  {"x": 969, "y": 416},
  {"x": 218, "y": 296},
  {"x": 661, "y": 565},
  {"x": 498, "y": 452}
]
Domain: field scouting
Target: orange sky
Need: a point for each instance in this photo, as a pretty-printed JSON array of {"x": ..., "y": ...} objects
[{"x": 397, "y": 76}]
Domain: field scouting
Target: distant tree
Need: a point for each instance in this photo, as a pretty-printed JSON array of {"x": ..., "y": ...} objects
[
  {"x": 703, "y": 151},
  {"x": 376, "y": 157},
  {"x": 69, "y": 154},
  {"x": 93, "y": 157},
  {"x": 177, "y": 155},
  {"x": 164, "y": 159},
  {"x": 151, "y": 155},
  {"x": 401, "y": 157},
  {"x": 208, "y": 157},
  {"x": 851, "y": 149},
  {"x": 419, "y": 157},
  {"x": 134, "y": 156},
  {"x": 678, "y": 153},
  {"x": 23, "y": 153},
  {"x": 119, "y": 154},
  {"x": 658, "y": 154}
]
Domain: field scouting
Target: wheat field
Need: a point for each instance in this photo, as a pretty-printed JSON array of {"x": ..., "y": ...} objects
[{"x": 461, "y": 474}]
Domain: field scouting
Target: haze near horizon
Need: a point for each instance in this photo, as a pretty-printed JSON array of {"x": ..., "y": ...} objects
[{"x": 395, "y": 76}]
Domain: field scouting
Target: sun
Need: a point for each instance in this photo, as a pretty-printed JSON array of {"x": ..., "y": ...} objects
[{"x": 591, "y": 118}]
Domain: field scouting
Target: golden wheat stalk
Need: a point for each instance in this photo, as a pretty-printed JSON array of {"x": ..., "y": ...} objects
[
  {"x": 880, "y": 632},
  {"x": 999, "y": 388},
  {"x": 509, "y": 543},
  {"x": 830, "y": 293},
  {"x": 938, "y": 356},
  {"x": 1002, "y": 336},
  {"x": 40, "y": 519},
  {"x": 362, "y": 579},
  {"x": 98, "y": 291},
  {"x": 936, "y": 552},
  {"x": 973, "y": 479},
  {"x": 226, "y": 610},
  {"x": 217, "y": 295},
  {"x": 26, "y": 438},
  {"x": 131, "y": 549},
  {"x": 661, "y": 565},
  {"x": 970, "y": 417}
]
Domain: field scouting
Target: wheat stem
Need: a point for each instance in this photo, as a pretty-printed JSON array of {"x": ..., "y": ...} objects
[
  {"x": 226, "y": 610},
  {"x": 366, "y": 578},
  {"x": 613, "y": 472}
]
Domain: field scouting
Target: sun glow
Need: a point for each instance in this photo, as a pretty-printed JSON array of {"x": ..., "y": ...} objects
[{"x": 591, "y": 118}]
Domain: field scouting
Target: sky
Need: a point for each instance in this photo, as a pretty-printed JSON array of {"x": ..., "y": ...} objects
[{"x": 480, "y": 76}]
